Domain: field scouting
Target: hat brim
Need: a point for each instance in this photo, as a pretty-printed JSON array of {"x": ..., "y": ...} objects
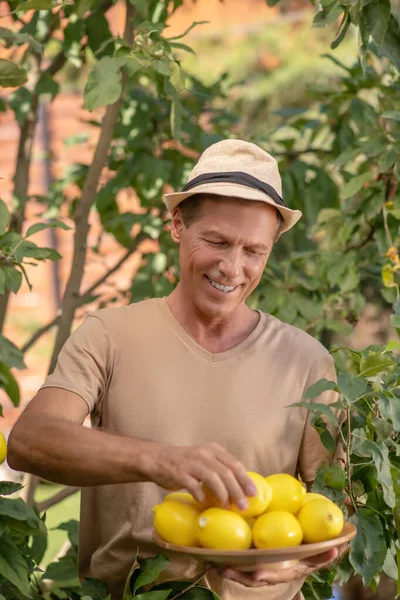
[{"x": 233, "y": 190}]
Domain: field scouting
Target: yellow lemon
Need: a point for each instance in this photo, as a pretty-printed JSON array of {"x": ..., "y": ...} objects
[
  {"x": 3, "y": 448},
  {"x": 258, "y": 503},
  {"x": 320, "y": 520},
  {"x": 287, "y": 493},
  {"x": 222, "y": 529},
  {"x": 176, "y": 522},
  {"x": 312, "y": 496},
  {"x": 277, "y": 529},
  {"x": 182, "y": 497},
  {"x": 250, "y": 521}
]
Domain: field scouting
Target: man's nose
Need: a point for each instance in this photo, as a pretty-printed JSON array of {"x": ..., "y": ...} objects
[{"x": 230, "y": 264}]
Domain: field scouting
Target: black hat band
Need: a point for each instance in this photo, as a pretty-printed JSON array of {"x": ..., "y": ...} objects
[{"x": 236, "y": 177}]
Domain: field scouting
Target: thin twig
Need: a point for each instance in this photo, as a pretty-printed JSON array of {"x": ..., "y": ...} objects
[
  {"x": 58, "y": 497},
  {"x": 139, "y": 238},
  {"x": 38, "y": 334},
  {"x": 189, "y": 587},
  {"x": 387, "y": 230},
  {"x": 348, "y": 463}
]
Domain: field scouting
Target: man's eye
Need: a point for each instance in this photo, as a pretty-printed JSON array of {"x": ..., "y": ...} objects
[{"x": 215, "y": 243}]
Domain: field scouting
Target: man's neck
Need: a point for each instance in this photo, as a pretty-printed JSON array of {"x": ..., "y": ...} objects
[{"x": 214, "y": 335}]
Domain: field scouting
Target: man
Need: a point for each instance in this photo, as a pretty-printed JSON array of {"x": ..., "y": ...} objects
[{"x": 186, "y": 390}]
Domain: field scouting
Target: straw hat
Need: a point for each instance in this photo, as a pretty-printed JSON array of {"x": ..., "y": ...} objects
[{"x": 240, "y": 170}]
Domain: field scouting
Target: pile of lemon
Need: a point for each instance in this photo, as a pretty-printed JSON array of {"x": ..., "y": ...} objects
[{"x": 280, "y": 515}]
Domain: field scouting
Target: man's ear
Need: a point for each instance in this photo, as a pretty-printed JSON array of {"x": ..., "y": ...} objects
[{"x": 177, "y": 225}]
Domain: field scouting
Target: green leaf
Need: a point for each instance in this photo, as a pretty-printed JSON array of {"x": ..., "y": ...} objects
[
  {"x": 323, "y": 385},
  {"x": 72, "y": 528},
  {"x": 16, "y": 38},
  {"x": 377, "y": 16},
  {"x": 41, "y": 226},
  {"x": 35, "y": 5},
  {"x": 392, "y": 346},
  {"x": 150, "y": 569},
  {"x": 325, "y": 435},
  {"x": 9, "y": 384},
  {"x": 13, "y": 279},
  {"x": 368, "y": 549},
  {"x": 21, "y": 103},
  {"x": 318, "y": 407},
  {"x": 98, "y": 32},
  {"x": 355, "y": 184},
  {"x": 31, "y": 250},
  {"x": 341, "y": 33},
  {"x": 391, "y": 114},
  {"x": 104, "y": 85},
  {"x": 4, "y": 217},
  {"x": 390, "y": 566},
  {"x": 327, "y": 16},
  {"x": 157, "y": 595},
  {"x": 351, "y": 387},
  {"x": 373, "y": 364},
  {"x": 331, "y": 475},
  {"x": 64, "y": 569},
  {"x": 9, "y": 487},
  {"x": 17, "y": 509},
  {"x": 39, "y": 544},
  {"x": 390, "y": 408},
  {"x": 47, "y": 85},
  {"x": 10, "y": 354},
  {"x": 131, "y": 574},
  {"x": 391, "y": 44},
  {"x": 194, "y": 593},
  {"x": 13, "y": 566},
  {"x": 379, "y": 453},
  {"x": 94, "y": 588},
  {"x": 11, "y": 74}
]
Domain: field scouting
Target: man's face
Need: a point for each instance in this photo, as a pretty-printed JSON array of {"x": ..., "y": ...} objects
[{"x": 223, "y": 253}]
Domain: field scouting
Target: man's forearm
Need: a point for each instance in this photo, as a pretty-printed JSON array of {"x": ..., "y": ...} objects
[{"x": 68, "y": 453}]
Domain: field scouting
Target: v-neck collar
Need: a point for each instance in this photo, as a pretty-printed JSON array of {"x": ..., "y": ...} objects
[{"x": 206, "y": 354}]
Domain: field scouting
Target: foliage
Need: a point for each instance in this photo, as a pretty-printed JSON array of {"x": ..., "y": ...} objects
[{"x": 23, "y": 536}]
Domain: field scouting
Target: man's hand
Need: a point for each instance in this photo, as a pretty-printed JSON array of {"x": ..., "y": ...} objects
[
  {"x": 174, "y": 468},
  {"x": 302, "y": 569}
]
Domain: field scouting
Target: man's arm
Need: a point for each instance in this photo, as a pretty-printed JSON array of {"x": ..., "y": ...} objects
[{"x": 50, "y": 441}]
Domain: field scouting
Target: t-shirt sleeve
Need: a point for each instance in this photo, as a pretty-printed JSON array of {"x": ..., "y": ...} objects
[
  {"x": 84, "y": 364},
  {"x": 313, "y": 453}
]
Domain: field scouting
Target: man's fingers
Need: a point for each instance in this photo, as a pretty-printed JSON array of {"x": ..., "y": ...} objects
[
  {"x": 321, "y": 559},
  {"x": 237, "y": 469}
]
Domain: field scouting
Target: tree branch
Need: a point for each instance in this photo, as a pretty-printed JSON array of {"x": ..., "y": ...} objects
[
  {"x": 85, "y": 296},
  {"x": 81, "y": 217},
  {"x": 66, "y": 492},
  {"x": 38, "y": 334},
  {"x": 362, "y": 243},
  {"x": 57, "y": 64},
  {"x": 24, "y": 157}
]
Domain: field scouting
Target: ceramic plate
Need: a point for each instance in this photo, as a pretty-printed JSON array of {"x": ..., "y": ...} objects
[{"x": 249, "y": 560}]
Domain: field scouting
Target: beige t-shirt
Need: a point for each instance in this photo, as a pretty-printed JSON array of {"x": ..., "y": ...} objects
[{"x": 143, "y": 376}]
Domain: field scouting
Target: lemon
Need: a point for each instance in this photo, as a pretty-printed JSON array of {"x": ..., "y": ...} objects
[
  {"x": 320, "y": 520},
  {"x": 222, "y": 529},
  {"x": 277, "y": 529},
  {"x": 258, "y": 503},
  {"x": 287, "y": 493},
  {"x": 312, "y": 496},
  {"x": 176, "y": 522},
  {"x": 182, "y": 497},
  {"x": 3, "y": 448},
  {"x": 250, "y": 521}
]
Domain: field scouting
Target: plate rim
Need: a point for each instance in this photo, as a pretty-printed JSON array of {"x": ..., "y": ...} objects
[{"x": 285, "y": 553}]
